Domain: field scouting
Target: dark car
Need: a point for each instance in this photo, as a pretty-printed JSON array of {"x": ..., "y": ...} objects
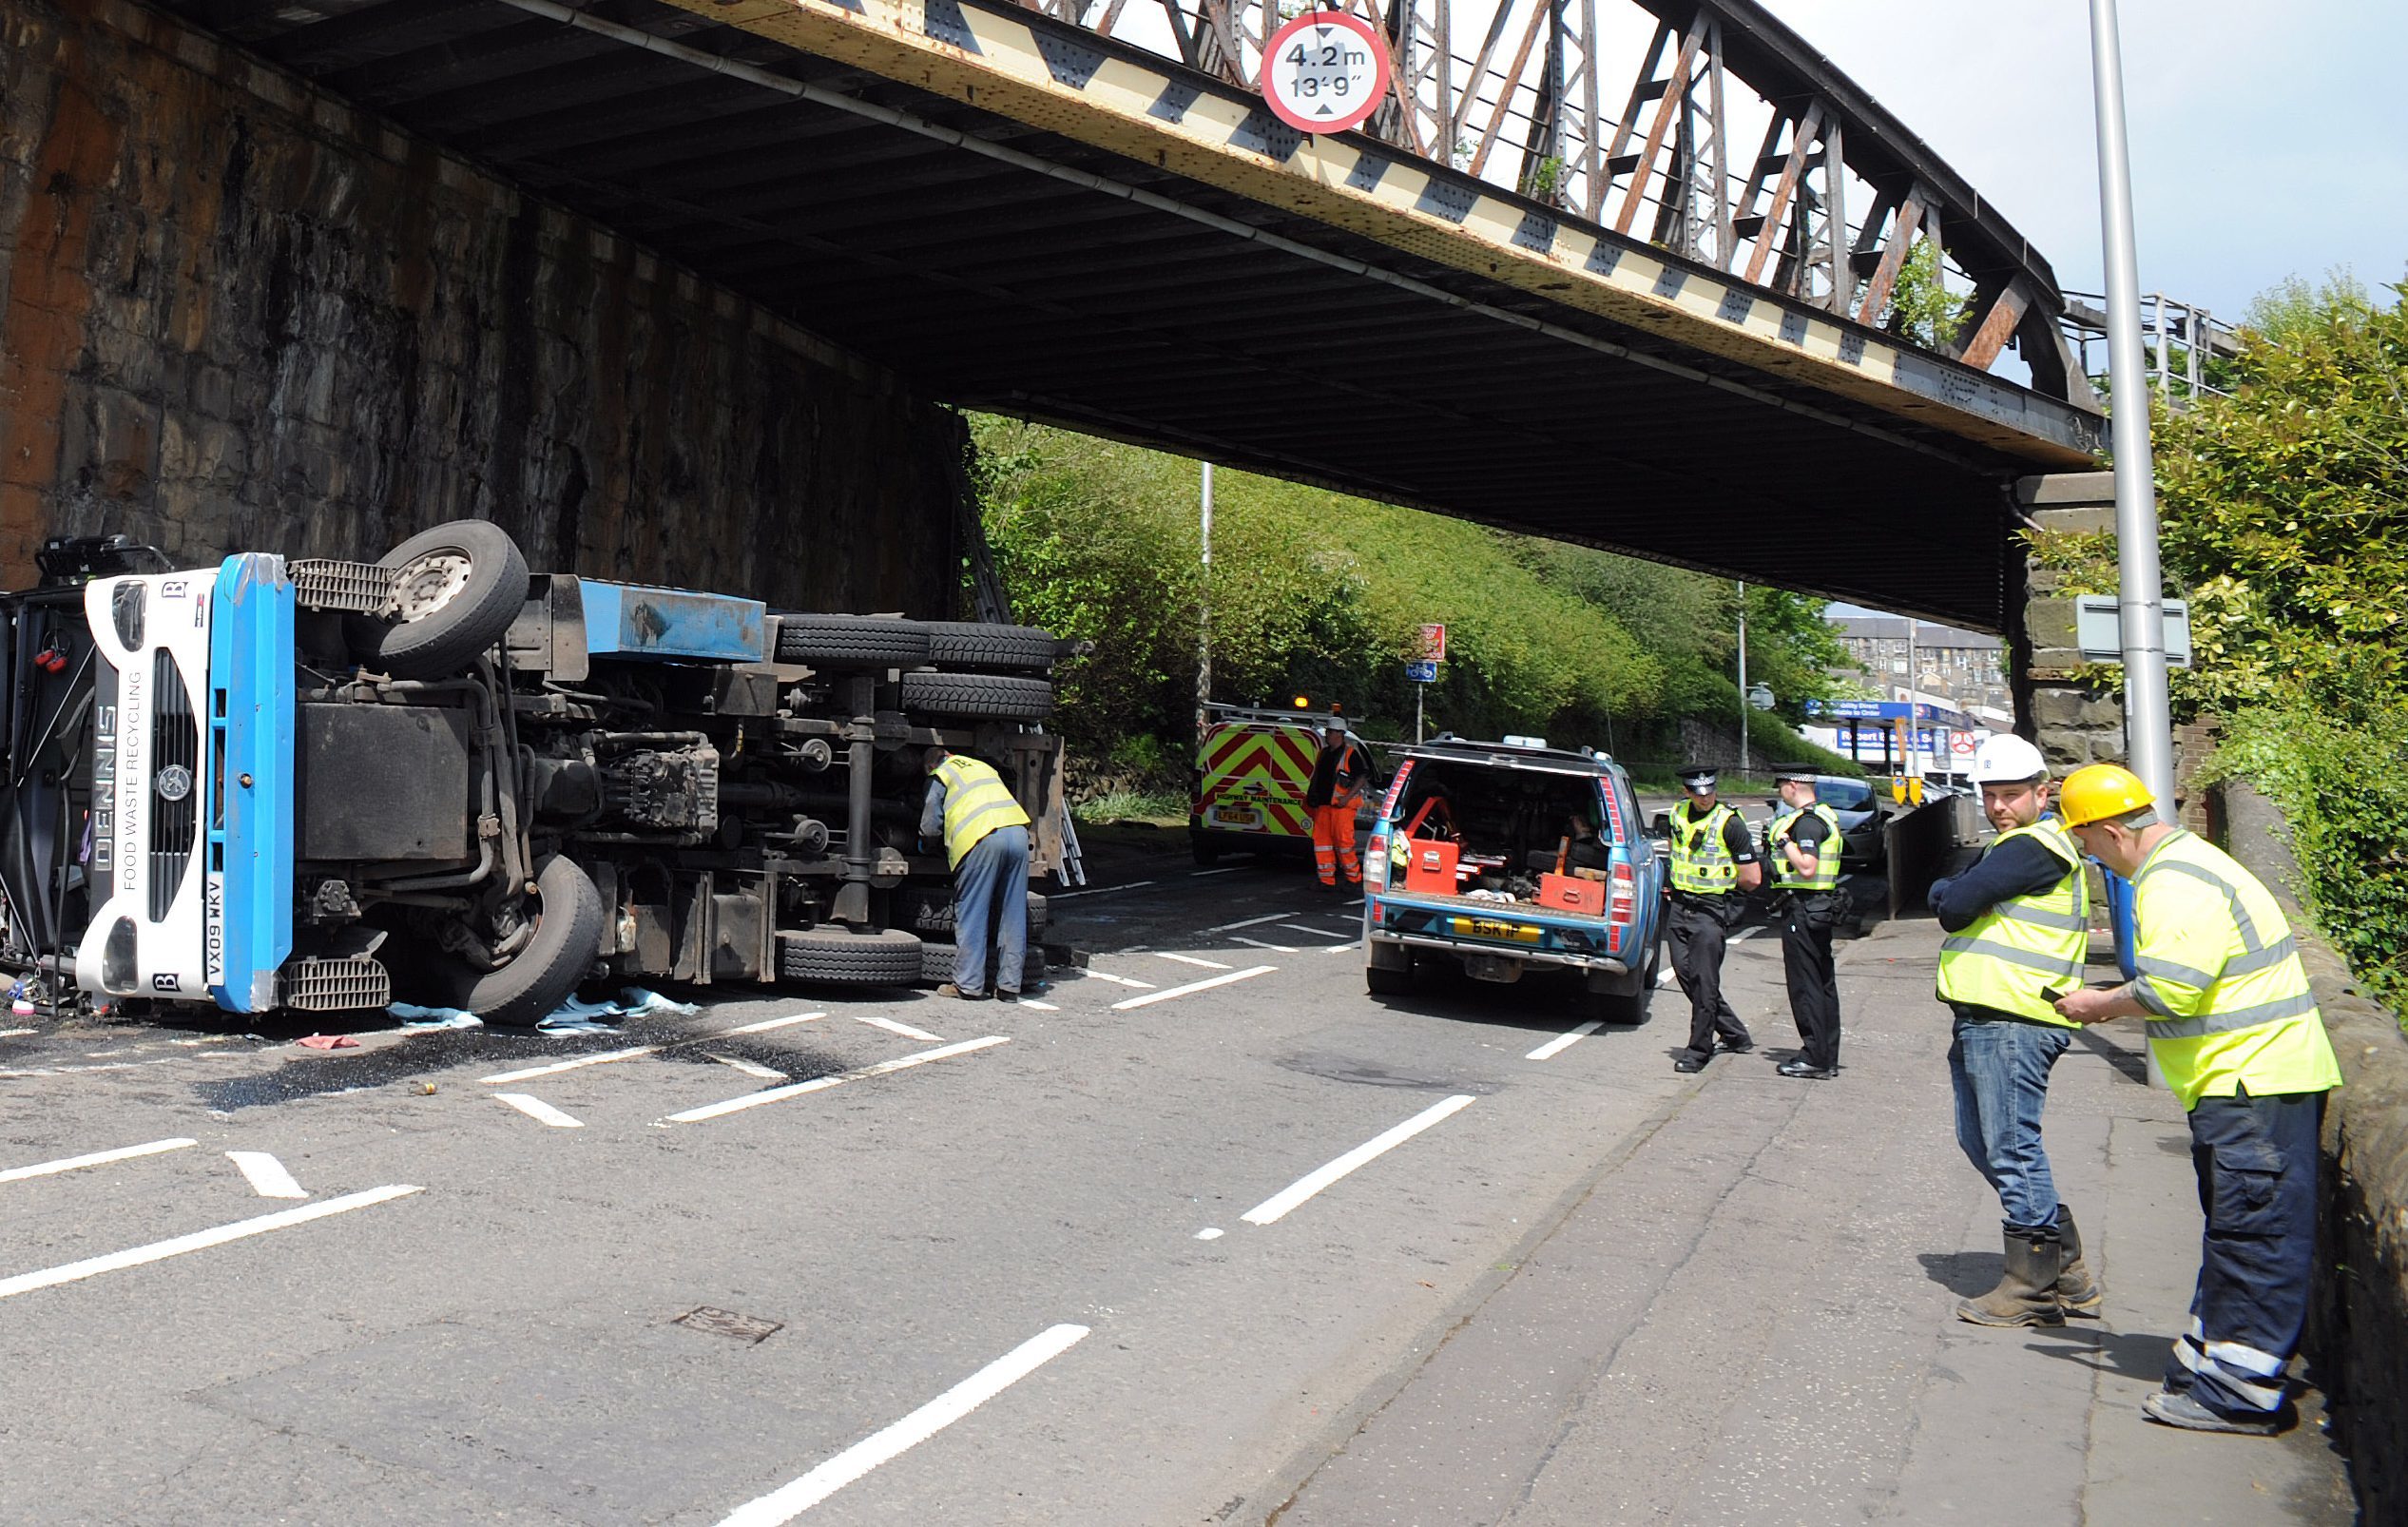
[{"x": 1863, "y": 845}]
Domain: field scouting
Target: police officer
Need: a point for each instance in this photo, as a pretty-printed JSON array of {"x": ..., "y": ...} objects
[
  {"x": 2018, "y": 925},
  {"x": 1802, "y": 846},
  {"x": 986, "y": 836},
  {"x": 2233, "y": 1025},
  {"x": 1714, "y": 865}
]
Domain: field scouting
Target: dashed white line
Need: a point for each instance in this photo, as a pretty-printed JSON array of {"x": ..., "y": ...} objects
[
  {"x": 1041, "y": 1007},
  {"x": 1121, "y": 980},
  {"x": 791, "y": 1500},
  {"x": 749, "y": 1068},
  {"x": 98, "y": 1158},
  {"x": 821, "y": 1084},
  {"x": 541, "y": 1111},
  {"x": 1210, "y": 1233},
  {"x": 1226, "y": 869},
  {"x": 1257, "y": 943},
  {"x": 10, "y": 1033},
  {"x": 1190, "y": 959},
  {"x": 767, "y": 1024},
  {"x": 603, "y": 1059},
  {"x": 1564, "y": 1041},
  {"x": 1339, "y": 949},
  {"x": 1318, "y": 933},
  {"x": 1248, "y": 922},
  {"x": 1746, "y": 934},
  {"x": 1205, "y": 985},
  {"x": 903, "y": 1029},
  {"x": 200, "y": 1240},
  {"x": 1668, "y": 977},
  {"x": 267, "y": 1174},
  {"x": 1096, "y": 890},
  {"x": 1305, "y": 1186}
]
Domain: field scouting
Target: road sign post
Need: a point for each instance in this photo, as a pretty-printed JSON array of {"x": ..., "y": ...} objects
[{"x": 1423, "y": 672}]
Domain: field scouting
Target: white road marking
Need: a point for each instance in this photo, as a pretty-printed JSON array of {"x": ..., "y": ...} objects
[
  {"x": 1190, "y": 959},
  {"x": 1226, "y": 869},
  {"x": 1248, "y": 922},
  {"x": 903, "y": 1029},
  {"x": 200, "y": 1240},
  {"x": 749, "y": 1068},
  {"x": 791, "y": 1500},
  {"x": 72, "y": 1071},
  {"x": 1205, "y": 985},
  {"x": 1257, "y": 943},
  {"x": 1668, "y": 977},
  {"x": 1041, "y": 1007},
  {"x": 541, "y": 1111},
  {"x": 1121, "y": 980},
  {"x": 1305, "y": 1186},
  {"x": 603, "y": 1059},
  {"x": 1746, "y": 934},
  {"x": 767, "y": 1024},
  {"x": 267, "y": 1174},
  {"x": 1564, "y": 1041},
  {"x": 1339, "y": 949},
  {"x": 1095, "y": 890},
  {"x": 1210, "y": 1233},
  {"x": 1318, "y": 933},
  {"x": 818, "y": 1084},
  {"x": 10, "y": 1033},
  {"x": 98, "y": 1158}
]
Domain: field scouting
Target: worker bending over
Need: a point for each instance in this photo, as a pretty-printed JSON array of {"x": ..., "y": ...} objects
[{"x": 986, "y": 837}]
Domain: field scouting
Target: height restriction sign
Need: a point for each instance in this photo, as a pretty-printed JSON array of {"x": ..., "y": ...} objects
[{"x": 1324, "y": 71}]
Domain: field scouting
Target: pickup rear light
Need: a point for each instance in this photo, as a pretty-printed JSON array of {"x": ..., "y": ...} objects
[
  {"x": 1376, "y": 861},
  {"x": 1622, "y": 898}
]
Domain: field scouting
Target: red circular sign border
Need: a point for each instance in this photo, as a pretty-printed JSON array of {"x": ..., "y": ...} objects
[{"x": 1362, "y": 29}]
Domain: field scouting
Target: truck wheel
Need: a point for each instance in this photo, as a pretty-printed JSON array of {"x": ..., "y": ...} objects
[
  {"x": 1624, "y": 1004},
  {"x": 1206, "y": 853},
  {"x": 842, "y": 958},
  {"x": 988, "y": 696},
  {"x": 936, "y": 963},
  {"x": 567, "y": 940},
  {"x": 982, "y": 648},
  {"x": 852, "y": 641},
  {"x": 458, "y": 586}
]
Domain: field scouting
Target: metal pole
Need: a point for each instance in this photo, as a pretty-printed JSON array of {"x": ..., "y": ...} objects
[
  {"x": 1418, "y": 690},
  {"x": 2148, "y": 739},
  {"x": 1743, "y": 679},
  {"x": 1204, "y": 613}
]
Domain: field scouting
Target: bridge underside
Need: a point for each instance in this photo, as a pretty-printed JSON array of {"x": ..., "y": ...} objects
[{"x": 1034, "y": 273}]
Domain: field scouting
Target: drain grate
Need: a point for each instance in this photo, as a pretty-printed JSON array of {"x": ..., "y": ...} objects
[{"x": 727, "y": 1323}]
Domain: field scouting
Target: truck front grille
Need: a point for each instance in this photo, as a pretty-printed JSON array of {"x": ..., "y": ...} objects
[{"x": 175, "y": 783}]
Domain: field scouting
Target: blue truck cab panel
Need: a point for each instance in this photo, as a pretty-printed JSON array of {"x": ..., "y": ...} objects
[
  {"x": 636, "y": 620},
  {"x": 250, "y": 843}
]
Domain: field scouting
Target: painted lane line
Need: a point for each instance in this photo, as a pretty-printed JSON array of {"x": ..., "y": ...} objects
[
  {"x": 1305, "y": 1186},
  {"x": 1668, "y": 977},
  {"x": 77, "y": 1071},
  {"x": 98, "y": 1158},
  {"x": 749, "y": 1068},
  {"x": 200, "y": 1240},
  {"x": 558, "y": 1065},
  {"x": 1746, "y": 934},
  {"x": 1248, "y": 922},
  {"x": 10, "y": 1033},
  {"x": 791, "y": 1500},
  {"x": 821, "y": 1084},
  {"x": 1205, "y": 985},
  {"x": 1041, "y": 1007},
  {"x": 1318, "y": 933},
  {"x": 903, "y": 1029},
  {"x": 1564, "y": 1041},
  {"x": 1197, "y": 874},
  {"x": 1257, "y": 943},
  {"x": 1096, "y": 890},
  {"x": 267, "y": 1174},
  {"x": 1190, "y": 959},
  {"x": 1130, "y": 981},
  {"x": 541, "y": 1111},
  {"x": 1210, "y": 1233},
  {"x": 1339, "y": 949},
  {"x": 767, "y": 1024}
]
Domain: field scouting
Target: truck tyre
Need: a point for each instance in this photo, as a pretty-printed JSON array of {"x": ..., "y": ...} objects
[
  {"x": 1205, "y": 854},
  {"x": 1625, "y": 1003},
  {"x": 567, "y": 940},
  {"x": 840, "y": 956},
  {"x": 987, "y": 696},
  {"x": 458, "y": 586},
  {"x": 852, "y": 641},
  {"x": 990, "y": 648},
  {"x": 936, "y": 964}
]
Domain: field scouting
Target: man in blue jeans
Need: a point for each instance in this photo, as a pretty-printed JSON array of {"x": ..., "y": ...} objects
[
  {"x": 2018, "y": 932},
  {"x": 986, "y": 836}
]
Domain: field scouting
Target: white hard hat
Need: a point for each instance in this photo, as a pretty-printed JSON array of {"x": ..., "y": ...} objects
[{"x": 2007, "y": 759}]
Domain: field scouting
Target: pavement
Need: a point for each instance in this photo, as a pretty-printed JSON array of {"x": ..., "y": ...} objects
[{"x": 1206, "y": 1236}]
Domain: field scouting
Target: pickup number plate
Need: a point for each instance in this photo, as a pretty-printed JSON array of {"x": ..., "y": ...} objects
[{"x": 1520, "y": 933}]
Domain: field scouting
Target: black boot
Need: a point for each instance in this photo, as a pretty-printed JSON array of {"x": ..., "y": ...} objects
[{"x": 2028, "y": 1294}]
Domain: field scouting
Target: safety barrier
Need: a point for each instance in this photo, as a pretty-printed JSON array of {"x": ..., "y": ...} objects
[
  {"x": 1922, "y": 841},
  {"x": 2358, "y": 1325}
]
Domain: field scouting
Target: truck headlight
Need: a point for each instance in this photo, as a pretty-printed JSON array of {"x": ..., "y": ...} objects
[
  {"x": 125, "y": 603},
  {"x": 117, "y": 958}
]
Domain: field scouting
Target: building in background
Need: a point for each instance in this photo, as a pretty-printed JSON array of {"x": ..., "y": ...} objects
[{"x": 1964, "y": 670}]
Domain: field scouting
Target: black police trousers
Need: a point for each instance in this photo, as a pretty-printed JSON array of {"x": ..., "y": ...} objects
[
  {"x": 1696, "y": 927},
  {"x": 1806, "y": 924}
]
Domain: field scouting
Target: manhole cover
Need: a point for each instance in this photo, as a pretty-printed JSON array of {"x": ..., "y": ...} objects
[{"x": 727, "y": 1323}]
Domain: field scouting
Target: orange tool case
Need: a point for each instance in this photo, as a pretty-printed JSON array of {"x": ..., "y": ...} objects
[{"x": 1430, "y": 867}]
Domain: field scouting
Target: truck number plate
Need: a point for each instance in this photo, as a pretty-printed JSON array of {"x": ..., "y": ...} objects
[
  {"x": 1520, "y": 933},
  {"x": 1239, "y": 816}
]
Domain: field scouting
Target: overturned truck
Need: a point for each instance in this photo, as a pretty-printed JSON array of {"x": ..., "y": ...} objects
[{"x": 321, "y": 786}]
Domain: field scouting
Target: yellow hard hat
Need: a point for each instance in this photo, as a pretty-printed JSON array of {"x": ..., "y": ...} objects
[{"x": 2098, "y": 791}]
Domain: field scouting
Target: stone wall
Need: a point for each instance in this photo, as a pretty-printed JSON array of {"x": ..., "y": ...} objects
[
  {"x": 236, "y": 313},
  {"x": 2357, "y": 1327}
]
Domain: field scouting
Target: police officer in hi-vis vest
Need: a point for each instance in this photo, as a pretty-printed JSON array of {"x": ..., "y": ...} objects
[
  {"x": 2018, "y": 926},
  {"x": 1803, "y": 847},
  {"x": 1714, "y": 865},
  {"x": 2233, "y": 1025},
  {"x": 986, "y": 837}
]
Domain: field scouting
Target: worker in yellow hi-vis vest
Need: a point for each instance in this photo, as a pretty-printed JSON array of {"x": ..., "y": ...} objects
[
  {"x": 985, "y": 836},
  {"x": 2232, "y": 1023}
]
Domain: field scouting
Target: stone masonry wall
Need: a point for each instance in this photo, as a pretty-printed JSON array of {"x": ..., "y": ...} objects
[{"x": 237, "y": 313}]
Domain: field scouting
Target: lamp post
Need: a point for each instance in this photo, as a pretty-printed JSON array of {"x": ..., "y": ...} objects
[
  {"x": 2148, "y": 739},
  {"x": 1203, "y": 612},
  {"x": 1742, "y": 679}
]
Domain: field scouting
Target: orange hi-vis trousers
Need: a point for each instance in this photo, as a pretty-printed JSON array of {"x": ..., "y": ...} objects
[{"x": 1334, "y": 841}]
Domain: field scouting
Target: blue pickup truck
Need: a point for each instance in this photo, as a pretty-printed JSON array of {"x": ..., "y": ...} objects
[
  {"x": 319, "y": 784},
  {"x": 1510, "y": 857}
]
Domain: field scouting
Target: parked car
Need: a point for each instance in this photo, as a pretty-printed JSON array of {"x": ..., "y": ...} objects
[
  {"x": 1472, "y": 860},
  {"x": 1863, "y": 847}
]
